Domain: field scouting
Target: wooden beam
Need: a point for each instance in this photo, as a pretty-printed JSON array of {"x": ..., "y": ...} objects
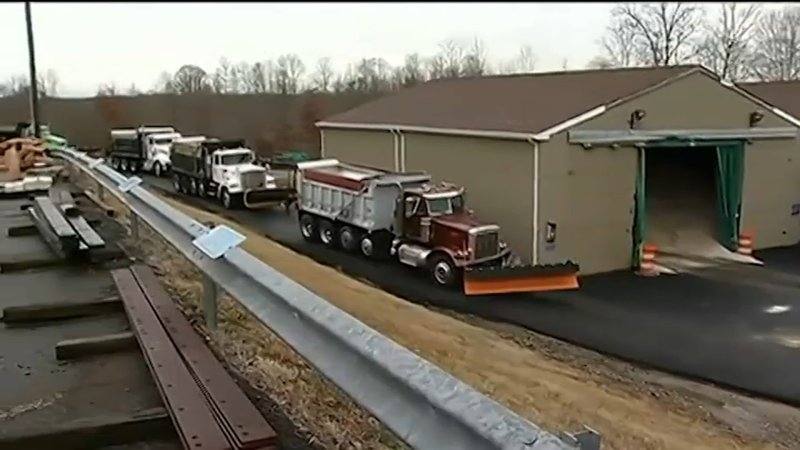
[
  {"x": 109, "y": 211},
  {"x": 95, "y": 345},
  {"x": 61, "y": 310},
  {"x": 94, "y": 432},
  {"x": 30, "y": 230}
]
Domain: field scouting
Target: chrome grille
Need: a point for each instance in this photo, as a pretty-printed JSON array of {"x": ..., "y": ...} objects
[
  {"x": 486, "y": 244},
  {"x": 252, "y": 180}
]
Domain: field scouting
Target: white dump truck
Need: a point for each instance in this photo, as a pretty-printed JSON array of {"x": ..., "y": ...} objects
[
  {"x": 138, "y": 148},
  {"x": 209, "y": 167},
  {"x": 405, "y": 216}
]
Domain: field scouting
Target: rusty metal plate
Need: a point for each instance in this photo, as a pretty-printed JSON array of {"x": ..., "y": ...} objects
[
  {"x": 242, "y": 421},
  {"x": 184, "y": 399}
]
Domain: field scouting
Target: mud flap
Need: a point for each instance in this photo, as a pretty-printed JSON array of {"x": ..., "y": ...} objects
[
  {"x": 268, "y": 197},
  {"x": 507, "y": 280}
]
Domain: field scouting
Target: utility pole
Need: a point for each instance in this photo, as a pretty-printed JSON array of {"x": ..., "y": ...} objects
[{"x": 34, "y": 86}]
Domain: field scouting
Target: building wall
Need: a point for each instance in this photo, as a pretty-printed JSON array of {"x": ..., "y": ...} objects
[
  {"x": 590, "y": 193},
  {"x": 365, "y": 147},
  {"x": 497, "y": 175}
]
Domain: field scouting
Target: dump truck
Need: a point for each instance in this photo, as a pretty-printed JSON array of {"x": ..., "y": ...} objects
[
  {"x": 143, "y": 148},
  {"x": 224, "y": 169},
  {"x": 421, "y": 224}
]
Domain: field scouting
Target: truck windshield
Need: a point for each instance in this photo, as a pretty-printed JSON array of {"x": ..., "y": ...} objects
[
  {"x": 445, "y": 205},
  {"x": 237, "y": 158}
]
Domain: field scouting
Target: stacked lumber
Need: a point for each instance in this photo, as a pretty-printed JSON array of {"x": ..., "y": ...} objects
[
  {"x": 19, "y": 155},
  {"x": 208, "y": 408}
]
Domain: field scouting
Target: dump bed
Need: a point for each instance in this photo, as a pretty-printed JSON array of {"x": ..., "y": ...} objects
[
  {"x": 187, "y": 155},
  {"x": 362, "y": 196}
]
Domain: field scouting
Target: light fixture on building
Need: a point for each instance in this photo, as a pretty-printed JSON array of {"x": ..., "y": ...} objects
[
  {"x": 755, "y": 118},
  {"x": 636, "y": 117}
]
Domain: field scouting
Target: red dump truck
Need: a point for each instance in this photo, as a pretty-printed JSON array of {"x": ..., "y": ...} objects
[{"x": 404, "y": 216}]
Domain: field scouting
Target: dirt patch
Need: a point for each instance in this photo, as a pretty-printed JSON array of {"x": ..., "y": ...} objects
[{"x": 556, "y": 385}]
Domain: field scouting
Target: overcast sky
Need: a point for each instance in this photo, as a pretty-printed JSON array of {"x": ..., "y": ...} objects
[{"x": 90, "y": 44}]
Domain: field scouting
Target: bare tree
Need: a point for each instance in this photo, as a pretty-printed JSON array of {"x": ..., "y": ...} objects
[
  {"x": 619, "y": 43},
  {"x": 225, "y": 78},
  {"x": 289, "y": 72},
  {"x": 474, "y": 61},
  {"x": 725, "y": 45},
  {"x": 412, "y": 72},
  {"x": 776, "y": 45},
  {"x": 48, "y": 83},
  {"x": 15, "y": 85},
  {"x": 600, "y": 62},
  {"x": 436, "y": 67},
  {"x": 190, "y": 79},
  {"x": 452, "y": 57},
  {"x": 133, "y": 90},
  {"x": 323, "y": 75},
  {"x": 523, "y": 62},
  {"x": 662, "y": 33},
  {"x": 107, "y": 90},
  {"x": 372, "y": 75}
]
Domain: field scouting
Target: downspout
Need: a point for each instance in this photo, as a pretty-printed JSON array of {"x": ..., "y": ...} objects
[
  {"x": 535, "y": 170},
  {"x": 402, "y": 150},
  {"x": 396, "y": 141},
  {"x": 322, "y": 143}
]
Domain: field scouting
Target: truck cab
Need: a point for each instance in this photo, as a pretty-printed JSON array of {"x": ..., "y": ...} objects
[{"x": 157, "y": 149}]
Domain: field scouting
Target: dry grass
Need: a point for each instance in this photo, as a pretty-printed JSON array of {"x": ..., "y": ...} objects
[{"x": 552, "y": 393}]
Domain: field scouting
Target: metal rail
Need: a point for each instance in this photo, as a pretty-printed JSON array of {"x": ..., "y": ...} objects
[{"x": 425, "y": 406}]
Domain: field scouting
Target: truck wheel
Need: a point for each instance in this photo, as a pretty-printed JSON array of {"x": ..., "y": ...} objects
[
  {"x": 308, "y": 227},
  {"x": 443, "y": 271},
  {"x": 327, "y": 233},
  {"x": 375, "y": 245},
  {"x": 348, "y": 238},
  {"x": 193, "y": 187},
  {"x": 157, "y": 170},
  {"x": 225, "y": 198},
  {"x": 176, "y": 183},
  {"x": 201, "y": 189},
  {"x": 123, "y": 165}
]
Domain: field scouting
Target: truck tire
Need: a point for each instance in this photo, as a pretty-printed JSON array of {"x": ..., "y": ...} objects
[
  {"x": 226, "y": 199},
  {"x": 308, "y": 227},
  {"x": 443, "y": 272},
  {"x": 327, "y": 233},
  {"x": 176, "y": 183},
  {"x": 123, "y": 165},
  {"x": 349, "y": 238},
  {"x": 201, "y": 189},
  {"x": 376, "y": 245},
  {"x": 193, "y": 186},
  {"x": 157, "y": 169}
]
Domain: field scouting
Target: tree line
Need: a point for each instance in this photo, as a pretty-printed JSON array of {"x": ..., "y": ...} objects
[{"x": 738, "y": 41}]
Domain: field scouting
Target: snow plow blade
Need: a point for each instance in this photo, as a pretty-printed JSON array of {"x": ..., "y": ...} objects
[
  {"x": 508, "y": 280},
  {"x": 268, "y": 197}
]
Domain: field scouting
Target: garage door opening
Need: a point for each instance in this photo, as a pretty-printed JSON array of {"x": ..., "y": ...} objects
[{"x": 690, "y": 194}]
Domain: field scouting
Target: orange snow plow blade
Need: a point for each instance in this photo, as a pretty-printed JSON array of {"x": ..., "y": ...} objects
[{"x": 508, "y": 280}]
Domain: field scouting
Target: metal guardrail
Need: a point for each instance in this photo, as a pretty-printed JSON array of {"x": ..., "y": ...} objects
[{"x": 426, "y": 407}]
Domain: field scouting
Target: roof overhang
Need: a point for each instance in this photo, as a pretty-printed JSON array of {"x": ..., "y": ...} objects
[
  {"x": 491, "y": 134},
  {"x": 607, "y": 137}
]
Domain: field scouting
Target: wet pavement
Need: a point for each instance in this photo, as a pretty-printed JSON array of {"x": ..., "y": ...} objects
[
  {"x": 734, "y": 325},
  {"x": 38, "y": 392}
]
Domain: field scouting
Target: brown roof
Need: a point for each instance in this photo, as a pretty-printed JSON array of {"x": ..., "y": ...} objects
[
  {"x": 783, "y": 94},
  {"x": 527, "y": 103}
]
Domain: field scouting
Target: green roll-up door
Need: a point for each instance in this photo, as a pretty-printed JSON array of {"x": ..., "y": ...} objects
[
  {"x": 730, "y": 181},
  {"x": 640, "y": 210}
]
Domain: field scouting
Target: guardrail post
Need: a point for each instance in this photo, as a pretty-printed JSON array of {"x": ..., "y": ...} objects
[
  {"x": 101, "y": 192},
  {"x": 210, "y": 294},
  {"x": 134, "y": 226}
]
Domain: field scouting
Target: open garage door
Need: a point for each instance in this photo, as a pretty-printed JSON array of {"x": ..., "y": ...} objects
[{"x": 688, "y": 201}]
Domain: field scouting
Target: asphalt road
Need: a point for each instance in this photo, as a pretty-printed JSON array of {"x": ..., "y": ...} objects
[{"x": 737, "y": 326}]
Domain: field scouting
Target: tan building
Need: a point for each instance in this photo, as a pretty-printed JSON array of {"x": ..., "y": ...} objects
[{"x": 589, "y": 165}]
